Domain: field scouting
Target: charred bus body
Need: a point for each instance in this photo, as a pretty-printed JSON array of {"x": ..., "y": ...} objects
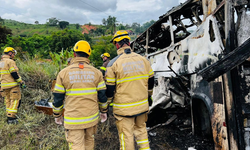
[{"x": 198, "y": 51}]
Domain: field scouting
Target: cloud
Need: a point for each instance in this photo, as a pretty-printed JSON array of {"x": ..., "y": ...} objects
[
  {"x": 85, "y": 11},
  {"x": 182, "y": 1}
]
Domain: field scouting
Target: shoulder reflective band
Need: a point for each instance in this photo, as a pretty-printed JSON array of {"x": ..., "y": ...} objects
[
  {"x": 83, "y": 91},
  {"x": 101, "y": 85},
  {"x": 127, "y": 79},
  {"x": 59, "y": 88},
  {"x": 127, "y": 105},
  {"x": 82, "y": 120}
]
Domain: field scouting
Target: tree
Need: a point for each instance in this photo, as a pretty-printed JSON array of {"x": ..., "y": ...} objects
[
  {"x": 65, "y": 39},
  {"x": 147, "y": 25},
  {"x": 36, "y": 22},
  {"x": 111, "y": 23},
  {"x": 1, "y": 21},
  {"x": 136, "y": 27},
  {"x": 63, "y": 24},
  {"x": 127, "y": 26},
  {"x": 100, "y": 31},
  {"x": 77, "y": 26},
  {"x": 4, "y": 34},
  {"x": 53, "y": 21},
  {"x": 104, "y": 21},
  {"x": 121, "y": 27},
  {"x": 102, "y": 45}
]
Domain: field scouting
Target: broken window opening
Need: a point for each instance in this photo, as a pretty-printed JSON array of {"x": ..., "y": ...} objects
[
  {"x": 211, "y": 31},
  {"x": 218, "y": 2},
  {"x": 196, "y": 12}
]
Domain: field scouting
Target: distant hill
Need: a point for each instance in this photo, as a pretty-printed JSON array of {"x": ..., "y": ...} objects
[{"x": 25, "y": 29}]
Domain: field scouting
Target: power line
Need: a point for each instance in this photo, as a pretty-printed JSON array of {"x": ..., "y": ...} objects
[{"x": 94, "y": 7}]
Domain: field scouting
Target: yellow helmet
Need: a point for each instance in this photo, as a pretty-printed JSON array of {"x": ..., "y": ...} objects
[
  {"x": 82, "y": 46},
  {"x": 9, "y": 49},
  {"x": 105, "y": 54},
  {"x": 120, "y": 35}
]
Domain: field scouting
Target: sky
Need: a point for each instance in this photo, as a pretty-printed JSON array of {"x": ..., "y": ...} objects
[{"x": 85, "y": 11}]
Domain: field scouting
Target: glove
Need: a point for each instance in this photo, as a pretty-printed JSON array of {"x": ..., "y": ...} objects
[
  {"x": 23, "y": 86},
  {"x": 150, "y": 100},
  {"x": 103, "y": 117},
  {"x": 59, "y": 120}
]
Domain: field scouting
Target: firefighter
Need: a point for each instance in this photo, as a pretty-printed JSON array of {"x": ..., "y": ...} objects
[
  {"x": 10, "y": 81},
  {"x": 83, "y": 89},
  {"x": 105, "y": 58},
  {"x": 130, "y": 80}
]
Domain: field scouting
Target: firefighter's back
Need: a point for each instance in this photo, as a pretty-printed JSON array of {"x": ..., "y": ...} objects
[{"x": 132, "y": 73}]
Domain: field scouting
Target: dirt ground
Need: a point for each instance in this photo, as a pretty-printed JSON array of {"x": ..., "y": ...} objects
[{"x": 168, "y": 137}]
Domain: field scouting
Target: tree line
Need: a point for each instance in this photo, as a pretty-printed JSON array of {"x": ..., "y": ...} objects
[{"x": 42, "y": 45}]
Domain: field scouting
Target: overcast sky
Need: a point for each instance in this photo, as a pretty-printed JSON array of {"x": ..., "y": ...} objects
[{"x": 85, "y": 11}]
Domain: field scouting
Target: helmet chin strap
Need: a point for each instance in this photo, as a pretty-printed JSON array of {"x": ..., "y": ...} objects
[{"x": 117, "y": 45}]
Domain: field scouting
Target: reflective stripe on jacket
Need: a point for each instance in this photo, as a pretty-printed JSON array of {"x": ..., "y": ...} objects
[
  {"x": 130, "y": 73},
  {"x": 7, "y": 66},
  {"x": 80, "y": 85}
]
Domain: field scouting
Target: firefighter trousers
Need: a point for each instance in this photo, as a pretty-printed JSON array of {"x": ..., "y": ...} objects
[
  {"x": 81, "y": 138},
  {"x": 12, "y": 97},
  {"x": 130, "y": 127}
]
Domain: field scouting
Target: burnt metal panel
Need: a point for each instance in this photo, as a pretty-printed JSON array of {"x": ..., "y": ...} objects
[
  {"x": 160, "y": 37},
  {"x": 202, "y": 91},
  {"x": 240, "y": 2},
  {"x": 217, "y": 92},
  {"x": 227, "y": 63}
]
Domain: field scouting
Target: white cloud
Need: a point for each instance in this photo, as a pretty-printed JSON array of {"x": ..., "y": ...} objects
[
  {"x": 139, "y": 6},
  {"x": 182, "y": 1},
  {"x": 85, "y": 11}
]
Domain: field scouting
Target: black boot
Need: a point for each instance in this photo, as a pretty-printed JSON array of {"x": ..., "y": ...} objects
[{"x": 12, "y": 120}]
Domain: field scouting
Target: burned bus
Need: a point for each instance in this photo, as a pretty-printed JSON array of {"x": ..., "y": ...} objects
[{"x": 199, "y": 52}]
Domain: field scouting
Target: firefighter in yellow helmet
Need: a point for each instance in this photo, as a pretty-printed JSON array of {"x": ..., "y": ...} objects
[
  {"x": 10, "y": 80},
  {"x": 105, "y": 58},
  {"x": 130, "y": 80},
  {"x": 80, "y": 90}
]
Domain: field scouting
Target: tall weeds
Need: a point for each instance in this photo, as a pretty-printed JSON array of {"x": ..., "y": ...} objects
[{"x": 35, "y": 130}]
